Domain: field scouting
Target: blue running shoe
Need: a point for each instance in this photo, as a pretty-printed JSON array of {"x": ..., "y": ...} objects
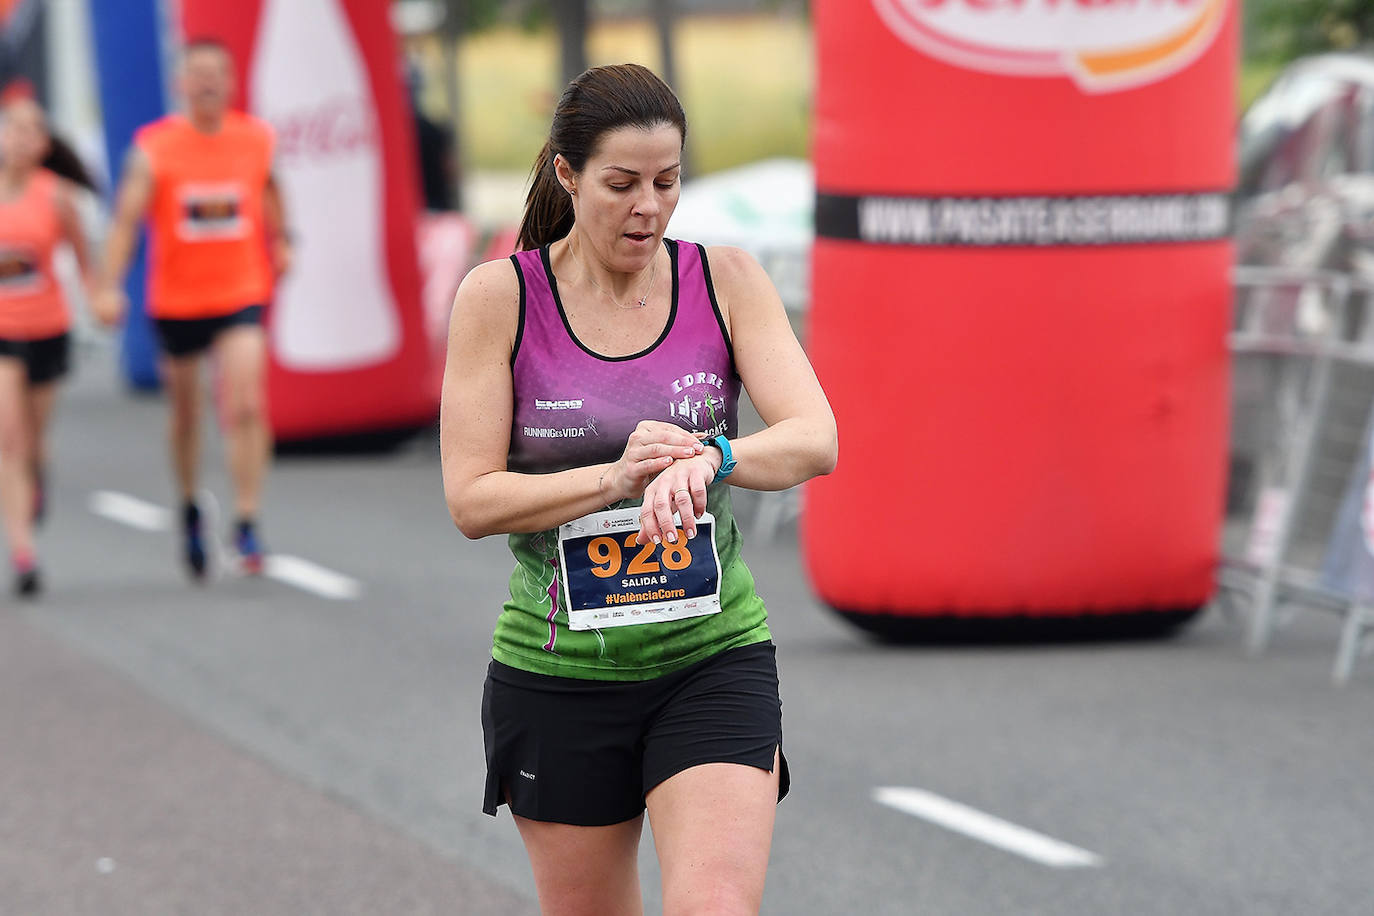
[{"x": 250, "y": 551}]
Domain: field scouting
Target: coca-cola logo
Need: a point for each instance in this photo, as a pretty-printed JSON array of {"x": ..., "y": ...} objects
[
  {"x": 1102, "y": 45},
  {"x": 335, "y": 127}
]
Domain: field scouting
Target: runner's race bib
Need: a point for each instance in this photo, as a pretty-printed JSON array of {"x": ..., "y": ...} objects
[
  {"x": 211, "y": 212},
  {"x": 610, "y": 581},
  {"x": 19, "y": 274}
]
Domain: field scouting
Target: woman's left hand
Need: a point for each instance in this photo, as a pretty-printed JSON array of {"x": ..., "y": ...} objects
[{"x": 681, "y": 488}]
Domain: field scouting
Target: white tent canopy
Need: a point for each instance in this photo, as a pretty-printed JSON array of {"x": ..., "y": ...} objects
[{"x": 766, "y": 208}]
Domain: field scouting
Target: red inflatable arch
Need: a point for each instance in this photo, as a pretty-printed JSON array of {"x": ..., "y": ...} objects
[{"x": 1020, "y": 305}]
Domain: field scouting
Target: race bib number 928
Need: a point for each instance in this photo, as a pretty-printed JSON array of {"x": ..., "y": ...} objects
[{"x": 610, "y": 581}]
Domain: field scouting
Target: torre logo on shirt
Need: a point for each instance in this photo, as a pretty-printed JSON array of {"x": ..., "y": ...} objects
[{"x": 696, "y": 404}]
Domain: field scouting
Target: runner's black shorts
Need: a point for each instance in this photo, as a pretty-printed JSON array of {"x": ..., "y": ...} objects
[
  {"x": 45, "y": 360},
  {"x": 584, "y": 752},
  {"x": 189, "y": 336}
]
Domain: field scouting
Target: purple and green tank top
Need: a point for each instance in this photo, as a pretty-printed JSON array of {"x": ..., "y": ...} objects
[{"x": 575, "y": 407}]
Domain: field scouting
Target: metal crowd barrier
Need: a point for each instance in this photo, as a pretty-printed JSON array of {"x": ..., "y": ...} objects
[{"x": 1302, "y": 344}]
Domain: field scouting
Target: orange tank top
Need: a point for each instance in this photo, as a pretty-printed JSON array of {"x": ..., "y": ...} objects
[
  {"x": 32, "y": 305},
  {"x": 207, "y": 254}
]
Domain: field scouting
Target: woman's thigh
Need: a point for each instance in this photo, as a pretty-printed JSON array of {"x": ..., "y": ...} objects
[
  {"x": 713, "y": 830},
  {"x": 585, "y": 871},
  {"x": 14, "y": 415}
]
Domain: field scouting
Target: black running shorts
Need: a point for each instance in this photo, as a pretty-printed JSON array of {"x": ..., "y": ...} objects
[
  {"x": 45, "y": 360},
  {"x": 586, "y": 752},
  {"x": 189, "y": 336}
]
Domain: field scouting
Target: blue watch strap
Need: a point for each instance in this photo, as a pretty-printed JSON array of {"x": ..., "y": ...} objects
[{"x": 727, "y": 464}]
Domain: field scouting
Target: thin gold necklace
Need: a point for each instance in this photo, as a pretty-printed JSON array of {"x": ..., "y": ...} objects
[{"x": 640, "y": 302}]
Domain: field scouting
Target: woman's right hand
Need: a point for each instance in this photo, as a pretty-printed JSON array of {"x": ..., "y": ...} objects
[{"x": 651, "y": 448}]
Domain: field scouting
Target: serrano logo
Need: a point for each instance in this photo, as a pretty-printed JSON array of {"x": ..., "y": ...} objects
[{"x": 1102, "y": 45}]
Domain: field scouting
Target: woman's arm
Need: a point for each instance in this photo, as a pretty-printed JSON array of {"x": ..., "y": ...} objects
[
  {"x": 475, "y": 422},
  {"x": 131, "y": 202},
  {"x": 799, "y": 441},
  {"x": 73, "y": 231}
]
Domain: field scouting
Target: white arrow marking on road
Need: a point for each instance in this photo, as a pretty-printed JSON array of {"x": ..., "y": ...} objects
[
  {"x": 985, "y": 827},
  {"x": 311, "y": 577},
  {"x": 294, "y": 571},
  {"x": 130, "y": 510}
]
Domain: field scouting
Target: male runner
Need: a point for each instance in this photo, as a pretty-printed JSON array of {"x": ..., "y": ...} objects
[{"x": 203, "y": 179}]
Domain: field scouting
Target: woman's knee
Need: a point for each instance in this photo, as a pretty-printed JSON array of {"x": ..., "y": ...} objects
[
  {"x": 713, "y": 894},
  {"x": 244, "y": 410}
]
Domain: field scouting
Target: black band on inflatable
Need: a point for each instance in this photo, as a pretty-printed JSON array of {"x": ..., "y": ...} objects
[{"x": 994, "y": 222}]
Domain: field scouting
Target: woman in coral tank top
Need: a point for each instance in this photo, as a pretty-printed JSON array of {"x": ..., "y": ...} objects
[{"x": 37, "y": 213}]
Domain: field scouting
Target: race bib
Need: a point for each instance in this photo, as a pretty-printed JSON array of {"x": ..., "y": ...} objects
[
  {"x": 19, "y": 273},
  {"x": 211, "y": 212},
  {"x": 610, "y": 581}
]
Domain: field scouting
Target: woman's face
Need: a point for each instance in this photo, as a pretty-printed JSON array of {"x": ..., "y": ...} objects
[
  {"x": 23, "y": 134},
  {"x": 626, "y": 193}
]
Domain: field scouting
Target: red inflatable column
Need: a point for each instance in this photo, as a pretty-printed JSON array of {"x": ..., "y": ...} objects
[
  {"x": 1020, "y": 304},
  {"x": 348, "y": 346}
]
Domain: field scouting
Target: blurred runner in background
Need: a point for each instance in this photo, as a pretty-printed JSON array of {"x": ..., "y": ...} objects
[
  {"x": 217, "y": 242},
  {"x": 37, "y": 212}
]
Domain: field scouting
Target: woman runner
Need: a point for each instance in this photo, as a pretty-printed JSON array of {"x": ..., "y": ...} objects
[
  {"x": 37, "y": 212},
  {"x": 589, "y": 413}
]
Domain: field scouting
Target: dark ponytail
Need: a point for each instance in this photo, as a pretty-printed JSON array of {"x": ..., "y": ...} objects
[
  {"x": 60, "y": 159},
  {"x": 602, "y": 99},
  {"x": 63, "y": 161},
  {"x": 548, "y": 209}
]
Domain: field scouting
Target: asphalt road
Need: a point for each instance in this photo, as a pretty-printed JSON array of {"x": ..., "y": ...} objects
[{"x": 255, "y": 747}]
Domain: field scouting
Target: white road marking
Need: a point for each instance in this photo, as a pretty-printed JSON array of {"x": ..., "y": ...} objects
[
  {"x": 311, "y": 577},
  {"x": 985, "y": 827},
  {"x": 294, "y": 571},
  {"x": 130, "y": 510}
]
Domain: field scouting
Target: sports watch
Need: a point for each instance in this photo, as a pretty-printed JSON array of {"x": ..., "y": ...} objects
[{"x": 727, "y": 464}]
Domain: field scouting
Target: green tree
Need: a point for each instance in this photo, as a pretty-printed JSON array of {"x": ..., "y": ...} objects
[{"x": 1283, "y": 29}]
